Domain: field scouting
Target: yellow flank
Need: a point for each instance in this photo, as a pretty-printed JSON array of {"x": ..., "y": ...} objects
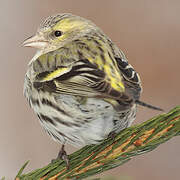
[{"x": 58, "y": 72}]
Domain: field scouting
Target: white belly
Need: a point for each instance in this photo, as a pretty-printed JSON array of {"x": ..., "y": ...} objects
[{"x": 68, "y": 121}]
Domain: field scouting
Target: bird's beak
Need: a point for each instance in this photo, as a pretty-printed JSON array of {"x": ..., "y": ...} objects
[{"x": 36, "y": 41}]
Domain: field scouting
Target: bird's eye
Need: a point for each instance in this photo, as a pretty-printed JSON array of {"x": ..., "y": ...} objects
[{"x": 57, "y": 33}]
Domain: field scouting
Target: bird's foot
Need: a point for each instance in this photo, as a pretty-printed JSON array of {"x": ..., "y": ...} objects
[
  {"x": 63, "y": 155},
  {"x": 112, "y": 135}
]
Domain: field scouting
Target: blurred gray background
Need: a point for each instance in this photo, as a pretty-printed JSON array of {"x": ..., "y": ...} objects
[{"x": 149, "y": 34}]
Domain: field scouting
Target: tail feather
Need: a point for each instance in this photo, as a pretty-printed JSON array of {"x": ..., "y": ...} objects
[{"x": 148, "y": 105}]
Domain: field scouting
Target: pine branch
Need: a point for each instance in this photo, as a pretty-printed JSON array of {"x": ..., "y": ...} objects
[{"x": 95, "y": 159}]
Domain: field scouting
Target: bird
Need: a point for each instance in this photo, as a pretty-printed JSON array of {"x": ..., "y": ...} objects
[{"x": 79, "y": 83}]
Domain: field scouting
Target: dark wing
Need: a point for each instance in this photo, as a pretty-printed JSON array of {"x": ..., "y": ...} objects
[
  {"x": 82, "y": 78},
  {"x": 132, "y": 80}
]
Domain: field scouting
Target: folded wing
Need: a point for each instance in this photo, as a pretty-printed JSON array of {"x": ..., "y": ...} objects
[{"x": 81, "y": 78}]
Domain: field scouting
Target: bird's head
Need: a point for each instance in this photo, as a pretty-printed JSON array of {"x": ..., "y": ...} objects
[{"x": 58, "y": 30}]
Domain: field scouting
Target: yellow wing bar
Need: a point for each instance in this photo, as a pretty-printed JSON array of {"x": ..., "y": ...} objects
[{"x": 56, "y": 73}]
